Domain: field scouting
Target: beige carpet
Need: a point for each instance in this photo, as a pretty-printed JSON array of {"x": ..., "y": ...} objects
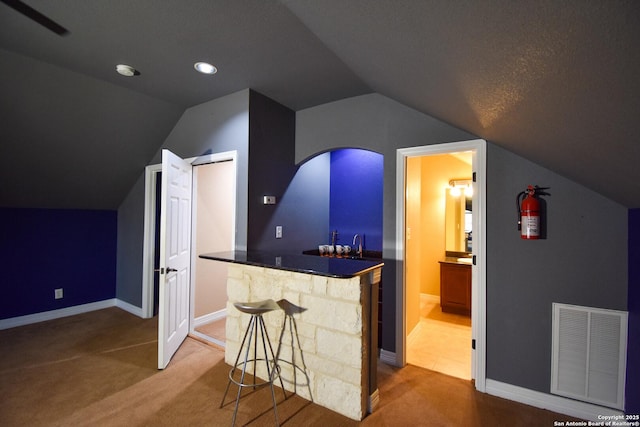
[{"x": 99, "y": 369}]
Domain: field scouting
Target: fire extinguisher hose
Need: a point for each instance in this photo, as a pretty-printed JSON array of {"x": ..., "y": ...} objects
[{"x": 519, "y": 199}]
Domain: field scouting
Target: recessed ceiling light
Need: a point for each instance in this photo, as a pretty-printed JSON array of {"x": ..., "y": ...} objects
[
  {"x": 127, "y": 70},
  {"x": 205, "y": 68}
]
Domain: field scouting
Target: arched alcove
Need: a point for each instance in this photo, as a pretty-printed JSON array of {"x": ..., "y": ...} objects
[{"x": 353, "y": 179}]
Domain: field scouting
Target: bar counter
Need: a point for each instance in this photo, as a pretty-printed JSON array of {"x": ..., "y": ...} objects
[
  {"x": 336, "y": 301},
  {"x": 343, "y": 268}
]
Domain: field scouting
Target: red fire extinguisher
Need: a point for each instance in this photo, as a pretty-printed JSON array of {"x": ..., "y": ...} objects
[{"x": 529, "y": 215}]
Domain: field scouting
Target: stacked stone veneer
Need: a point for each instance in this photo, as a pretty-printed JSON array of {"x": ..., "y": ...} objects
[{"x": 330, "y": 333}]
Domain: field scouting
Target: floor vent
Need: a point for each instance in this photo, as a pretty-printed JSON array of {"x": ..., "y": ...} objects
[{"x": 589, "y": 353}]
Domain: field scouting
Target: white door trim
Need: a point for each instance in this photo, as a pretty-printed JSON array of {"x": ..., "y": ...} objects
[
  {"x": 478, "y": 294},
  {"x": 148, "y": 250}
]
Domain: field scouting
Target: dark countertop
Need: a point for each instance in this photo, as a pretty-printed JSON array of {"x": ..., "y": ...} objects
[{"x": 343, "y": 268}]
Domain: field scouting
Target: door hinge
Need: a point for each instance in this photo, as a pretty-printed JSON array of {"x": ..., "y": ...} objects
[
  {"x": 473, "y": 344},
  {"x": 474, "y": 177},
  {"x": 473, "y": 260}
]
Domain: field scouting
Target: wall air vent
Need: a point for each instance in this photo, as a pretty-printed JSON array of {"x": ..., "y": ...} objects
[{"x": 589, "y": 354}]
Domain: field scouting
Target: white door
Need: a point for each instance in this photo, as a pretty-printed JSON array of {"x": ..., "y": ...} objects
[{"x": 175, "y": 255}]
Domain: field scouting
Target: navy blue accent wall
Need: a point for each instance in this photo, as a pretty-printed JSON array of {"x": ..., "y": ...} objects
[
  {"x": 45, "y": 249},
  {"x": 632, "y": 395},
  {"x": 356, "y": 196}
]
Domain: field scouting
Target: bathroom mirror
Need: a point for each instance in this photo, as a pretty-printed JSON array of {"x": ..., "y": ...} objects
[{"x": 458, "y": 232}]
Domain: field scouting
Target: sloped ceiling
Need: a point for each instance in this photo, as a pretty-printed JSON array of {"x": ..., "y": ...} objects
[{"x": 554, "y": 81}]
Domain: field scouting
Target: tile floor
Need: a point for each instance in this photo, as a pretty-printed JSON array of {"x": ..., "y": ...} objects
[{"x": 441, "y": 341}]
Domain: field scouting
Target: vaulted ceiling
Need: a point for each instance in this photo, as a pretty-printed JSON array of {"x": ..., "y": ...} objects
[{"x": 554, "y": 81}]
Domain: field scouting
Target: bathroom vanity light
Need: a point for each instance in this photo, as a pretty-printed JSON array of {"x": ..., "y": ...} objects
[{"x": 457, "y": 186}]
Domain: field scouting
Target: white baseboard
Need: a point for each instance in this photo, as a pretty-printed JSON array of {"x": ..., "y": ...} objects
[
  {"x": 136, "y": 311},
  {"x": 562, "y": 405},
  {"x": 68, "y": 311},
  {"x": 211, "y": 317}
]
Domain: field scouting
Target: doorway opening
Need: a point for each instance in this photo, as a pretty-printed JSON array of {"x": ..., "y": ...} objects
[
  {"x": 439, "y": 232},
  {"x": 413, "y": 223},
  {"x": 212, "y": 230}
]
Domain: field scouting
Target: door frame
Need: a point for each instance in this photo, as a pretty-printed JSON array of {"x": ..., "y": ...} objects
[
  {"x": 478, "y": 280},
  {"x": 148, "y": 250}
]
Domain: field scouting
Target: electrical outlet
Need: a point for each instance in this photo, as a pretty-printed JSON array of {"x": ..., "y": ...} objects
[
  {"x": 278, "y": 232},
  {"x": 58, "y": 293}
]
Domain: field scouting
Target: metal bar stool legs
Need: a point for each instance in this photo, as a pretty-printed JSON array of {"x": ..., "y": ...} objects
[
  {"x": 256, "y": 327},
  {"x": 289, "y": 310}
]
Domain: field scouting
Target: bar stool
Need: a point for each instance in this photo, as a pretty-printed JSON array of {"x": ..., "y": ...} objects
[
  {"x": 289, "y": 310},
  {"x": 256, "y": 327}
]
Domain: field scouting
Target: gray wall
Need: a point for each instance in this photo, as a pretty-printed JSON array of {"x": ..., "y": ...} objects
[
  {"x": 303, "y": 209},
  {"x": 129, "y": 245},
  {"x": 271, "y": 167},
  {"x": 302, "y": 192},
  {"x": 213, "y": 127},
  {"x": 376, "y": 123},
  {"x": 582, "y": 261}
]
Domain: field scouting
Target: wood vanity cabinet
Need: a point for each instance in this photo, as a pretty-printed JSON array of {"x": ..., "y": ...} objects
[{"x": 455, "y": 288}]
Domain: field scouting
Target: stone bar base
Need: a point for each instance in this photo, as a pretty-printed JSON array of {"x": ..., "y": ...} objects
[{"x": 332, "y": 332}]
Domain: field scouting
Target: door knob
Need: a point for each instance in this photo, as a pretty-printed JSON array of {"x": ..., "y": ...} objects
[{"x": 162, "y": 270}]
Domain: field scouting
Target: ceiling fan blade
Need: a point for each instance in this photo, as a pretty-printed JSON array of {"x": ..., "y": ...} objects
[{"x": 33, "y": 14}]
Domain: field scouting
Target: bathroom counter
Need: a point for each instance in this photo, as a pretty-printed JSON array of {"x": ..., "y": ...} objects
[{"x": 456, "y": 260}]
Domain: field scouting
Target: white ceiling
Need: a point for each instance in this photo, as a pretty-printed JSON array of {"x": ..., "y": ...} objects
[{"x": 554, "y": 81}]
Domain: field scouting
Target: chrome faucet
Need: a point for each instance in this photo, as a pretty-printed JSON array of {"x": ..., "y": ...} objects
[{"x": 356, "y": 237}]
